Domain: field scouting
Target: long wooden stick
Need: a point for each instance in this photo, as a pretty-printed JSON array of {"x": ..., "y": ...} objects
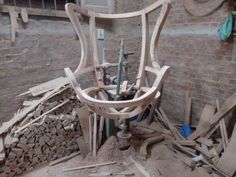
[
  {"x": 101, "y": 126},
  {"x": 89, "y": 166},
  {"x": 222, "y": 128},
  {"x": 95, "y": 135},
  {"x": 90, "y": 133},
  {"x": 63, "y": 159}
]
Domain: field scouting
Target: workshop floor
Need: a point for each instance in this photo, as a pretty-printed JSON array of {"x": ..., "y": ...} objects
[{"x": 162, "y": 161}]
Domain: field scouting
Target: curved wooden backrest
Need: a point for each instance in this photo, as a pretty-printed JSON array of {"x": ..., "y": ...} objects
[{"x": 148, "y": 47}]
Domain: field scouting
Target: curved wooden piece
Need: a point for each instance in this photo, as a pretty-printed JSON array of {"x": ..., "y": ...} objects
[
  {"x": 70, "y": 9},
  {"x": 143, "y": 149},
  {"x": 156, "y": 34}
]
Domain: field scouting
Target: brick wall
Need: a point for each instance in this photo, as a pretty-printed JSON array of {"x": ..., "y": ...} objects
[
  {"x": 188, "y": 44},
  {"x": 198, "y": 59}
]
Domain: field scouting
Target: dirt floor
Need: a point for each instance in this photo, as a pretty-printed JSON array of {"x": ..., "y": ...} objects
[{"x": 162, "y": 161}]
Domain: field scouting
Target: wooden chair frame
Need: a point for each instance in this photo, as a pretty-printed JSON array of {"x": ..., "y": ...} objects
[{"x": 145, "y": 95}]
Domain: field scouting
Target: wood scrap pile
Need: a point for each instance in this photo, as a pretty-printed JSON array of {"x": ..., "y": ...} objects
[
  {"x": 212, "y": 145},
  {"x": 46, "y": 128}
]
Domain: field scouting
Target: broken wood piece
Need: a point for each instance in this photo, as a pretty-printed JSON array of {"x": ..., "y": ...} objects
[
  {"x": 186, "y": 142},
  {"x": 14, "y": 24},
  {"x": 84, "y": 114},
  {"x": 83, "y": 146},
  {"x": 205, "y": 141},
  {"x": 223, "y": 131},
  {"x": 187, "y": 152},
  {"x": 48, "y": 86},
  {"x": 89, "y": 166},
  {"x": 227, "y": 162},
  {"x": 146, "y": 143},
  {"x": 205, "y": 118},
  {"x": 228, "y": 105},
  {"x": 29, "y": 103},
  {"x": 63, "y": 159},
  {"x": 24, "y": 15}
]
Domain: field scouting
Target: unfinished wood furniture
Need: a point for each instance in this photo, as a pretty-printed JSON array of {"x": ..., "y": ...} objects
[{"x": 144, "y": 95}]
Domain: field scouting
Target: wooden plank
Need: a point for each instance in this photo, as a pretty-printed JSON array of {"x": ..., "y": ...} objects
[
  {"x": 227, "y": 162},
  {"x": 205, "y": 118},
  {"x": 47, "y": 86},
  {"x": 205, "y": 141},
  {"x": 228, "y": 105},
  {"x": 84, "y": 114}
]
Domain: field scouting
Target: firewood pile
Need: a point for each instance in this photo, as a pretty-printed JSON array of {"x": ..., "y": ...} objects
[
  {"x": 211, "y": 144},
  {"x": 46, "y": 128}
]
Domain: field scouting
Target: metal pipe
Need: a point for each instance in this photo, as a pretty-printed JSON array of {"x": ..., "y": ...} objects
[
  {"x": 43, "y": 6},
  {"x": 55, "y": 4},
  {"x": 30, "y": 5}
]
